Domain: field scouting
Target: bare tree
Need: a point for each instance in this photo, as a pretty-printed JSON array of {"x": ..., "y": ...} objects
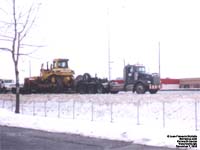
[{"x": 15, "y": 29}]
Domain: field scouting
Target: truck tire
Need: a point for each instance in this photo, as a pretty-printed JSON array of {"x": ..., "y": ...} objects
[
  {"x": 153, "y": 91},
  {"x": 140, "y": 88},
  {"x": 114, "y": 92}
]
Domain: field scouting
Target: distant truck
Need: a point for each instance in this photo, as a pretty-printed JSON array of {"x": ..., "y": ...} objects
[
  {"x": 59, "y": 78},
  {"x": 136, "y": 79},
  {"x": 2, "y": 88}
]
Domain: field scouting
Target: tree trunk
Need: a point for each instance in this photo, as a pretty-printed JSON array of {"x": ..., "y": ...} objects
[{"x": 17, "y": 106}]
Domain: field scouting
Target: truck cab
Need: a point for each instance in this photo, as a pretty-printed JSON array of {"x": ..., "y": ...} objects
[
  {"x": 135, "y": 76},
  {"x": 136, "y": 79}
]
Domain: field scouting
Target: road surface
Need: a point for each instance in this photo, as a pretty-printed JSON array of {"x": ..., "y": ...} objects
[{"x": 12, "y": 138}]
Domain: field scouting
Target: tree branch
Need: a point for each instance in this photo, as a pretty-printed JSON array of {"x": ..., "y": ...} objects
[
  {"x": 27, "y": 19},
  {"x": 5, "y": 49},
  {"x": 30, "y": 53},
  {"x": 27, "y": 26},
  {"x": 18, "y": 46},
  {"x": 4, "y": 11},
  {"x": 4, "y": 22},
  {"x": 5, "y": 36},
  {"x": 15, "y": 32},
  {"x": 31, "y": 45}
]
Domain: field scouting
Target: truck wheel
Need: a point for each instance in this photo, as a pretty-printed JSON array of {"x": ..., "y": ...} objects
[
  {"x": 140, "y": 89},
  {"x": 100, "y": 89},
  {"x": 114, "y": 92},
  {"x": 153, "y": 91}
]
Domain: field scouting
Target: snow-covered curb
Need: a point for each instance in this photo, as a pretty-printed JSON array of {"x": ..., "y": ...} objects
[{"x": 150, "y": 135}]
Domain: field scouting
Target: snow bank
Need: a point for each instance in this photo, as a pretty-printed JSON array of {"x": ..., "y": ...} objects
[
  {"x": 179, "y": 112},
  {"x": 148, "y": 135}
]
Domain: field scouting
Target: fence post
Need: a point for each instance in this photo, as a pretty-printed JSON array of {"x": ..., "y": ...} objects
[
  {"x": 11, "y": 105},
  {"x": 92, "y": 111},
  {"x": 45, "y": 108},
  {"x": 111, "y": 112},
  {"x": 58, "y": 109},
  {"x": 3, "y": 105},
  {"x": 33, "y": 108},
  {"x": 21, "y": 107},
  {"x": 138, "y": 112},
  {"x": 163, "y": 114},
  {"x": 74, "y": 109},
  {"x": 196, "y": 117}
]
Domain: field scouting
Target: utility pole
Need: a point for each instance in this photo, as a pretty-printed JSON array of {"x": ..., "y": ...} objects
[
  {"x": 124, "y": 62},
  {"x": 159, "y": 59},
  {"x": 108, "y": 30},
  {"x": 29, "y": 68}
]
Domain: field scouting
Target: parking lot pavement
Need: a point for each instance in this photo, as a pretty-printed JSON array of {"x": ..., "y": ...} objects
[{"x": 12, "y": 138}]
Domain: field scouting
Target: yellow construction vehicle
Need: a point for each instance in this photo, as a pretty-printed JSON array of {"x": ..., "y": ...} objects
[
  {"x": 57, "y": 77},
  {"x": 58, "y": 73}
]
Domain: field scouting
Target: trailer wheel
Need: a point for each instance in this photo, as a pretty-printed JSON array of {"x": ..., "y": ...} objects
[
  {"x": 81, "y": 89},
  {"x": 140, "y": 88},
  {"x": 92, "y": 89},
  {"x": 86, "y": 77}
]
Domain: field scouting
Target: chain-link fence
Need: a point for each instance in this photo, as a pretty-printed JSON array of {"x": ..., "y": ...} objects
[{"x": 185, "y": 113}]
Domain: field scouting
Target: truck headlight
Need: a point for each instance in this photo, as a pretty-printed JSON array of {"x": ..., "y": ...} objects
[{"x": 149, "y": 82}]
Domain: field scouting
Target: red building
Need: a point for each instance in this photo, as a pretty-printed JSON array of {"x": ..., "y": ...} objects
[{"x": 169, "y": 83}]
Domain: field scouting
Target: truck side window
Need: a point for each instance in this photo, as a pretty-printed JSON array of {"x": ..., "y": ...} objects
[{"x": 131, "y": 70}]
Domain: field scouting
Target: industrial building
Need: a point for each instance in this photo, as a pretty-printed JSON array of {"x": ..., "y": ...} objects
[
  {"x": 168, "y": 83},
  {"x": 190, "y": 83}
]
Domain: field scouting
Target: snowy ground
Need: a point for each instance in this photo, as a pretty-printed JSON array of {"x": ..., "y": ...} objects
[{"x": 146, "y": 119}]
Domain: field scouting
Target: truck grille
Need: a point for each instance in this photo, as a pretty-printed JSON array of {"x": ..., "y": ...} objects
[{"x": 156, "y": 79}]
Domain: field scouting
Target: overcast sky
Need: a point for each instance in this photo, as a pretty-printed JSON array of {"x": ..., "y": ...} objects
[{"x": 80, "y": 30}]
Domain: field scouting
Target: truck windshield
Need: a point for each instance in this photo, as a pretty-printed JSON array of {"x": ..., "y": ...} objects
[{"x": 141, "y": 69}]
